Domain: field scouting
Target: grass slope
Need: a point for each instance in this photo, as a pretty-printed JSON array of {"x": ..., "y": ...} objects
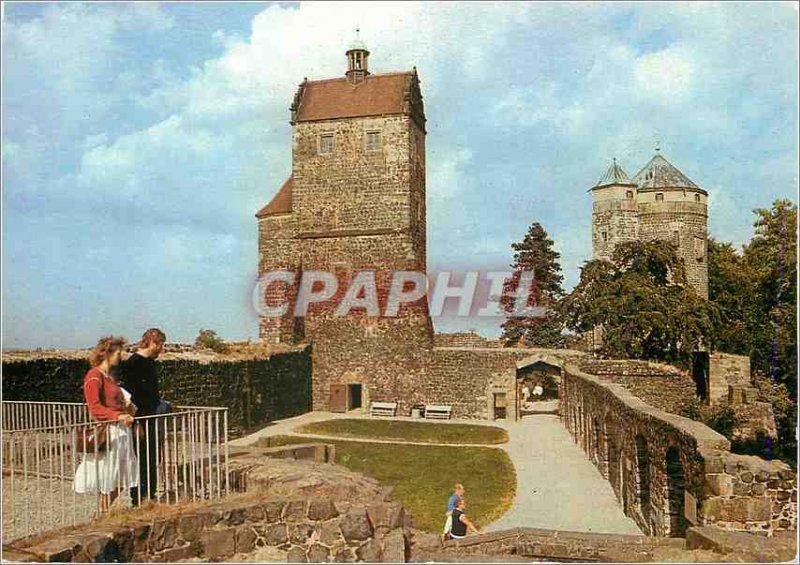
[
  {"x": 422, "y": 432},
  {"x": 423, "y": 476}
]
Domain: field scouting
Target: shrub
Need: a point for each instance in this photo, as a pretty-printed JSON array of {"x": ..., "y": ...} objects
[
  {"x": 210, "y": 340},
  {"x": 721, "y": 418}
]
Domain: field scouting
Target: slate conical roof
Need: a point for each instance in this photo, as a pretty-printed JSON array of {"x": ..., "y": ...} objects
[
  {"x": 660, "y": 173},
  {"x": 614, "y": 175}
]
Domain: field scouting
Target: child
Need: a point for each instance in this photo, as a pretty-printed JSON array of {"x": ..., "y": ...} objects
[{"x": 458, "y": 494}]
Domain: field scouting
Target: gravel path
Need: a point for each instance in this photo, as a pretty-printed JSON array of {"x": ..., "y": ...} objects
[{"x": 43, "y": 505}]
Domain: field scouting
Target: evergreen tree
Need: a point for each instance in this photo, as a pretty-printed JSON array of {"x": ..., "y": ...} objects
[{"x": 535, "y": 253}]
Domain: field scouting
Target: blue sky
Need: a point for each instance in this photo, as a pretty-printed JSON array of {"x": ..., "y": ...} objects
[{"x": 140, "y": 139}]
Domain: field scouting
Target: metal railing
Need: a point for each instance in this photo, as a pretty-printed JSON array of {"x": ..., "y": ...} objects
[{"x": 61, "y": 469}]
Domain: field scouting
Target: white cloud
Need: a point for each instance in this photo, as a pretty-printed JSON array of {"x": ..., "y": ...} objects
[
  {"x": 667, "y": 75},
  {"x": 520, "y": 121},
  {"x": 445, "y": 177}
]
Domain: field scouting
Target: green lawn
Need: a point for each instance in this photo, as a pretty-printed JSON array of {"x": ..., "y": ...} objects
[
  {"x": 422, "y": 432},
  {"x": 423, "y": 476}
]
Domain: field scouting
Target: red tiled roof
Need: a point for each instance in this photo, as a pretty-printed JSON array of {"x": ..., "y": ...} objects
[
  {"x": 281, "y": 203},
  {"x": 337, "y": 98}
]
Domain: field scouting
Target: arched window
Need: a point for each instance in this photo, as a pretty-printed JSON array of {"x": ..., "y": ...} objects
[
  {"x": 675, "y": 494},
  {"x": 643, "y": 467}
]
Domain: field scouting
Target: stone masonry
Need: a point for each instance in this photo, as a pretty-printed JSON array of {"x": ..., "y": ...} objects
[
  {"x": 670, "y": 472},
  {"x": 659, "y": 203}
]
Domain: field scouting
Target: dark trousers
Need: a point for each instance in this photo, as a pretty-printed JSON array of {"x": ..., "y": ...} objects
[{"x": 148, "y": 460}]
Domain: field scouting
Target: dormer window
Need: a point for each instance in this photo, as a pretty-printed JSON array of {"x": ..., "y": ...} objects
[
  {"x": 326, "y": 143},
  {"x": 697, "y": 198},
  {"x": 373, "y": 140},
  {"x": 660, "y": 197}
]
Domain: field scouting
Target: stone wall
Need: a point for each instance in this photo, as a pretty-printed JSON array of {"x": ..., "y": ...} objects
[
  {"x": 314, "y": 530},
  {"x": 662, "y": 386},
  {"x": 524, "y": 545},
  {"x": 255, "y": 391},
  {"x": 725, "y": 370},
  {"x": 393, "y": 364},
  {"x": 535, "y": 544},
  {"x": 464, "y": 339},
  {"x": 684, "y": 223},
  {"x": 664, "y": 468},
  {"x": 614, "y": 221}
]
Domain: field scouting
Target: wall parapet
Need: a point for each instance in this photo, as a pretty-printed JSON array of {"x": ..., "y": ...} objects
[
  {"x": 315, "y": 529},
  {"x": 668, "y": 471},
  {"x": 255, "y": 390}
]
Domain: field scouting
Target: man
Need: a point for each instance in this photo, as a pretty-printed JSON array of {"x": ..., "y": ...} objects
[
  {"x": 461, "y": 523},
  {"x": 458, "y": 494},
  {"x": 140, "y": 379}
]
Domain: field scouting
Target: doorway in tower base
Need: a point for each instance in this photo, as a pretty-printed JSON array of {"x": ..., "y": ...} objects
[
  {"x": 354, "y": 400},
  {"x": 346, "y": 397}
]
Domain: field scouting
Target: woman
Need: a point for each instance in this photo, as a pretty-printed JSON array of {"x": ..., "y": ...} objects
[{"x": 116, "y": 467}]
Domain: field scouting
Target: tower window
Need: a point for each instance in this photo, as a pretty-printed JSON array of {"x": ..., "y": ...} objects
[
  {"x": 605, "y": 236},
  {"x": 629, "y": 194},
  {"x": 676, "y": 237},
  {"x": 697, "y": 198},
  {"x": 373, "y": 140},
  {"x": 326, "y": 143},
  {"x": 660, "y": 197},
  {"x": 699, "y": 248}
]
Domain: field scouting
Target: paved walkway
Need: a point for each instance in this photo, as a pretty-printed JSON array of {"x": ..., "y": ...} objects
[{"x": 557, "y": 486}]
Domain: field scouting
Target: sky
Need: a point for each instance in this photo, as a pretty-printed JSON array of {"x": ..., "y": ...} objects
[{"x": 139, "y": 140}]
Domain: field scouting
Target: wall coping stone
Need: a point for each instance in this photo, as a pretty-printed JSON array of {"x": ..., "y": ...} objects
[{"x": 705, "y": 437}]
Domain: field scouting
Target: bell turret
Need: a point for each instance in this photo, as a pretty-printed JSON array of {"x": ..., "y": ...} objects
[{"x": 357, "y": 56}]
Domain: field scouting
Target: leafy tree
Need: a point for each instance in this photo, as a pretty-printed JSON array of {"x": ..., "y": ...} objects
[
  {"x": 210, "y": 340},
  {"x": 756, "y": 292},
  {"x": 643, "y": 303},
  {"x": 731, "y": 286},
  {"x": 535, "y": 253},
  {"x": 771, "y": 257}
]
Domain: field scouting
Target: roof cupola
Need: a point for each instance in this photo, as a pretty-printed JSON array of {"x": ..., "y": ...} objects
[{"x": 357, "y": 55}]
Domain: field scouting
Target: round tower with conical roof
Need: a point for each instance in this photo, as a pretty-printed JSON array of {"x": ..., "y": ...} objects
[
  {"x": 672, "y": 207},
  {"x": 614, "y": 212}
]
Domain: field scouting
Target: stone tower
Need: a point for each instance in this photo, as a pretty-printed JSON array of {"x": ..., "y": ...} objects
[
  {"x": 660, "y": 202},
  {"x": 674, "y": 208},
  {"x": 614, "y": 213},
  {"x": 355, "y": 201}
]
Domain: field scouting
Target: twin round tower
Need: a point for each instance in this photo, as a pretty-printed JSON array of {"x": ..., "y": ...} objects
[{"x": 659, "y": 202}]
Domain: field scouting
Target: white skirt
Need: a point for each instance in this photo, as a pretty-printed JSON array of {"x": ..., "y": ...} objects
[{"x": 115, "y": 469}]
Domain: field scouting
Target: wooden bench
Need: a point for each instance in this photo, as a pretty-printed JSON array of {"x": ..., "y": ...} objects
[
  {"x": 437, "y": 412},
  {"x": 383, "y": 409}
]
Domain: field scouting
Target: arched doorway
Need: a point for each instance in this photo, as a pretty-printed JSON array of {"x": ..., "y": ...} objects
[
  {"x": 537, "y": 385},
  {"x": 675, "y": 494}
]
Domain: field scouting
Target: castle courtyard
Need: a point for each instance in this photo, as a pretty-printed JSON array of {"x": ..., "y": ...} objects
[{"x": 557, "y": 486}]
